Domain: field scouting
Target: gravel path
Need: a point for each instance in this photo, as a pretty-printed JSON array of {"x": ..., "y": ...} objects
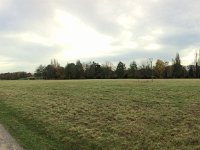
[{"x": 6, "y": 141}]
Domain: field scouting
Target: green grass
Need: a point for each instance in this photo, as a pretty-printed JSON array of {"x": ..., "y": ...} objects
[{"x": 102, "y": 114}]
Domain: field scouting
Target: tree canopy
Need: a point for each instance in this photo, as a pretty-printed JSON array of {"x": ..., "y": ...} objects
[{"x": 94, "y": 70}]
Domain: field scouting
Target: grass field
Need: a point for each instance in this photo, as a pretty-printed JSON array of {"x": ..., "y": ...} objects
[{"x": 102, "y": 114}]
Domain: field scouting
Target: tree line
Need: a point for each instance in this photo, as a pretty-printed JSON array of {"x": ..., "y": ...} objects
[
  {"x": 94, "y": 70},
  {"x": 14, "y": 75}
]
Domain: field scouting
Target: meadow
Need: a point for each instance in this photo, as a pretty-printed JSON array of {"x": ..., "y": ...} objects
[{"x": 102, "y": 114}]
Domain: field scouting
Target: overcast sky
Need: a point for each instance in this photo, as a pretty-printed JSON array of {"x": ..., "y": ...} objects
[{"x": 32, "y": 32}]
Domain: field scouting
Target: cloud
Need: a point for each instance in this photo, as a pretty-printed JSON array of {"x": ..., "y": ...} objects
[
  {"x": 24, "y": 15},
  {"x": 37, "y": 30}
]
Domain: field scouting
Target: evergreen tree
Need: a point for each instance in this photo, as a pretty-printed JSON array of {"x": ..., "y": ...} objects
[
  {"x": 121, "y": 70},
  {"x": 132, "y": 69},
  {"x": 177, "y": 67},
  {"x": 70, "y": 71},
  {"x": 79, "y": 70},
  {"x": 93, "y": 70},
  {"x": 191, "y": 71}
]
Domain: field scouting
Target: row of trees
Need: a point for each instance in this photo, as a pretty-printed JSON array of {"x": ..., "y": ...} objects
[
  {"x": 94, "y": 70},
  {"x": 15, "y": 76}
]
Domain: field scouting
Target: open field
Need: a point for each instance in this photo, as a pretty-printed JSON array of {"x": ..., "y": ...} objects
[{"x": 102, "y": 114}]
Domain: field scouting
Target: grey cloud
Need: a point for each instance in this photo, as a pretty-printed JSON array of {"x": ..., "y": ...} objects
[
  {"x": 177, "y": 15},
  {"x": 92, "y": 13},
  {"x": 180, "y": 40},
  {"x": 28, "y": 52},
  {"x": 180, "y": 22},
  {"x": 25, "y": 15},
  {"x": 22, "y": 14}
]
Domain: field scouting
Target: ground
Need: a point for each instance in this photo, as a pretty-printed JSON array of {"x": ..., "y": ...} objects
[
  {"x": 6, "y": 141},
  {"x": 102, "y": 114}
]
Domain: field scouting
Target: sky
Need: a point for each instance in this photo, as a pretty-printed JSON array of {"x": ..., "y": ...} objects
[{"x": 32, "y": 32}]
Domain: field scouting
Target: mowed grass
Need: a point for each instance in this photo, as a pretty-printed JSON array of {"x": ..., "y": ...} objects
[{"x": 102, "y": 114}]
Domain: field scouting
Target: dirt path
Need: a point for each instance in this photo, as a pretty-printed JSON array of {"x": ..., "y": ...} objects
[{"x": 6, "y": 141}]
